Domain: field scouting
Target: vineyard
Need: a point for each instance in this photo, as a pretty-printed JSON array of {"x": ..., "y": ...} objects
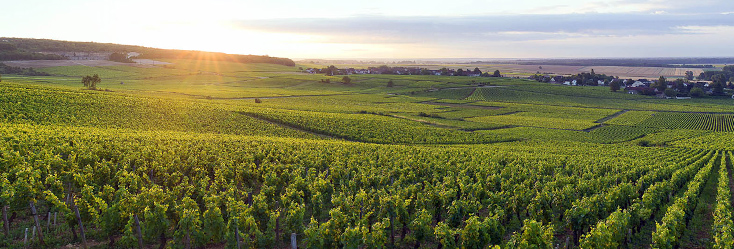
[{"x": 432, "y": 162}]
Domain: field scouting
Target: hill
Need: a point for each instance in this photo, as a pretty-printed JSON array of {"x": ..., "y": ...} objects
[{"x": 45, "y": 49}]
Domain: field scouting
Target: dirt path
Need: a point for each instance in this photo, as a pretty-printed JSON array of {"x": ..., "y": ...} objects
[
  {"x": 605, "y": 119},
  {"x": 593, "y": 128},
  {"x": 424, "y": 122},
  {"x": 462, "y": 105},
  {"x": 289, "y": 96},
  {"x": 287, "y": 126}
]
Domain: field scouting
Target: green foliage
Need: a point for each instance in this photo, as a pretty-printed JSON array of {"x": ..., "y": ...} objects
[
  {"x": 723, "y": 226},
  {"x": 187, "y": 165},
  {"x": 129, "y": 236},
  {"x": 213, "y": 225},
  {"x": 445, "y": 235},
  {"x": 615, "y": 85},
  {"x": 608, "y": 234},
  {"x": 534, "y": 235},
  {"x": 691, "y": 121},
  {"x": 372, "y": 128},
  {"x": 669, "y": 92},
  {"x": 90, "y": 82},
  {"x": 671, "y": 228},
  {"x": 697, "y": 92}
]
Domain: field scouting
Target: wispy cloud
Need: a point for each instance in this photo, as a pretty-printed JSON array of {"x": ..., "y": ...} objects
[{"x": 381, "y": 29}]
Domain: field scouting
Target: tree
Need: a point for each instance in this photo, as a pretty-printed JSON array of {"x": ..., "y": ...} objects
[
  {"x": 615, "y": 85},
  {"x": 346, "y": 80},
  {"x": 460, "y": 72},
  {"x": 718, "y": 85},
  {"x": 477, "y": 71},
  {"x": 389, "y": 83},
  {"x": 90, "y": 82},
  {"x": 680, "y": 86},
  {"x": 662, "y": 84},
  {"x": 670, "y": 92},
  {"x": 444, "y": 71},
  {"x": 689, "y": 75},
  {"x": 592, "y": 72},
  {"x": 697, "y": 92},
  {"x": 496, "y": 73},
  {"x": 329, "y": 71}
]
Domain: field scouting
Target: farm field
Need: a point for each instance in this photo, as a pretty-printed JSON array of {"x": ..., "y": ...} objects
[{"x": 202, "y": 154}]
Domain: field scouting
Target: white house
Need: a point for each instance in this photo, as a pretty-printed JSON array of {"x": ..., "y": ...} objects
[{"x": 638, "y": 84}]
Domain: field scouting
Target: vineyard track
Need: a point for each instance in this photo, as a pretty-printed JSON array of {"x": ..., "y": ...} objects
[
  {"x": 289, "y": 96},
  {"x": 453, "y": 88},
  {"x": 605, "y": 119},
  {"x": 698, "y": 232},
  {"x": 593, "y": 128},
  {"x": 470, "y": 94},
  {"x": 326, "y": 136},
  {"x": 422, "y": 121},
  {"x": 462, "y": 105}
]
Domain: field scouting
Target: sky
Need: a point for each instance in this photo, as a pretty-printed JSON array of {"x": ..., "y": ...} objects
[{"x": 319, "y": 29}]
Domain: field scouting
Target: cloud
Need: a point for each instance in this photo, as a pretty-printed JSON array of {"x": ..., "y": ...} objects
[{"x": 387, "y": 30}]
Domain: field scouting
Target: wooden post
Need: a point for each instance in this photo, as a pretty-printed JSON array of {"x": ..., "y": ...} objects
[
  {"x": 277, "y": 228},
  {"x": 38, "y": 224},
  {"x": 187, "y": 240},
  {"x": 294, "y": 245},
  {"x": 6, "y": 224},
  {"x": 25, "y": 238},
  {"x": 81, "y": 226},
  {"x": 237, "y": 233},
  {"x": 48, "y": 222},
  {"x": 137, "y": 229}
]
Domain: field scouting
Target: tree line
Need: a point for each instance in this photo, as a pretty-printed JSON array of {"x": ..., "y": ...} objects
[{"x": 5, "y": 69}]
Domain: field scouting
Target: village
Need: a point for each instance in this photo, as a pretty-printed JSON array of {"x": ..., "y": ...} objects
[
  {"x": 680, "y": 88},
  {"x": 331, "y": 70}
]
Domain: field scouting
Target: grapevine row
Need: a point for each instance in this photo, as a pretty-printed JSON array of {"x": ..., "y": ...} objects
[
  {"x": 611, "y": 232},
  {"x": 723, "y": 226},
  {"x": 674, "y": 222}
]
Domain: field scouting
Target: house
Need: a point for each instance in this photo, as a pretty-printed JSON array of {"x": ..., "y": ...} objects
[
  {"x": 639, "y": 84},
  {"x": 638, "y": 90}
]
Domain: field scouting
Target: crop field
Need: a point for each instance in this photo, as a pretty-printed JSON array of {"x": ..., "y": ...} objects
[
  {"x": 642, "y": 72},
  {"x": 197, "y": 154}
]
